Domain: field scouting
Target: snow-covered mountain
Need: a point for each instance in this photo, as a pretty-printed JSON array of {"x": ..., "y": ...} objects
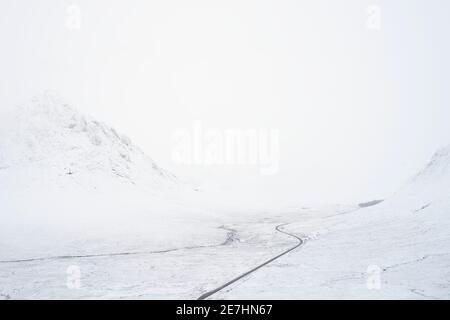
[
  {"x": 433, "y": 181},
  {"x": 67, "y": 178},
  {"x": 51, "y": 135}
]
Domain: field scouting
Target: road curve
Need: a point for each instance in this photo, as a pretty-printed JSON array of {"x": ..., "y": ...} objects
[{"x": 300, "y": 242}]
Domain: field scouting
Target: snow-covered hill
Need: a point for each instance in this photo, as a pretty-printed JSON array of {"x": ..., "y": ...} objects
[
  {"x": 398, "y": 249},
  {"x": 69, "y": 183},
  {"x": 50, "y": 134}
]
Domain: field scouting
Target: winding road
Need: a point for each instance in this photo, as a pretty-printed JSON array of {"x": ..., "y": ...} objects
[
  {"x": 300, "y": 242},
  {"x": 230, "y": 237}
]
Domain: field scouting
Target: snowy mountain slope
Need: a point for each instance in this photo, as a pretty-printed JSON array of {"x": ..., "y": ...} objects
[
  {"x": 51, "y": 133},
  {"x": 398, "y": 249},
  {"x": 70, "y": 184}
]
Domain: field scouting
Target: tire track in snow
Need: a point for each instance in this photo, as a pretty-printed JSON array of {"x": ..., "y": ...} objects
[
  {"x": 300, "y": 243},
  {"x": 230, "y": 237}
]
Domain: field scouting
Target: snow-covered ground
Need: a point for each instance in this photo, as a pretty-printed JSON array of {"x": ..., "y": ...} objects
[
  {"x": 77, "y": 195},
  {"x": 399, "y": 249}
]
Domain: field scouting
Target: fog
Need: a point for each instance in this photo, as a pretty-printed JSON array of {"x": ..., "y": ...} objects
[{"x": 356, "y": 91}]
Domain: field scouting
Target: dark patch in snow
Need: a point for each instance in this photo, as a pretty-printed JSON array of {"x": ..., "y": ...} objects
[
  {"x": 423, "y": 207},
  {"x": 420, "y": 293},
  {"x": 369, "y": 203},
  {"x": 231, "y": 236}
]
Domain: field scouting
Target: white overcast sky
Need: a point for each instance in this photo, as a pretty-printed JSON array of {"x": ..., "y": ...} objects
[{"x": 359, "y": 111}]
